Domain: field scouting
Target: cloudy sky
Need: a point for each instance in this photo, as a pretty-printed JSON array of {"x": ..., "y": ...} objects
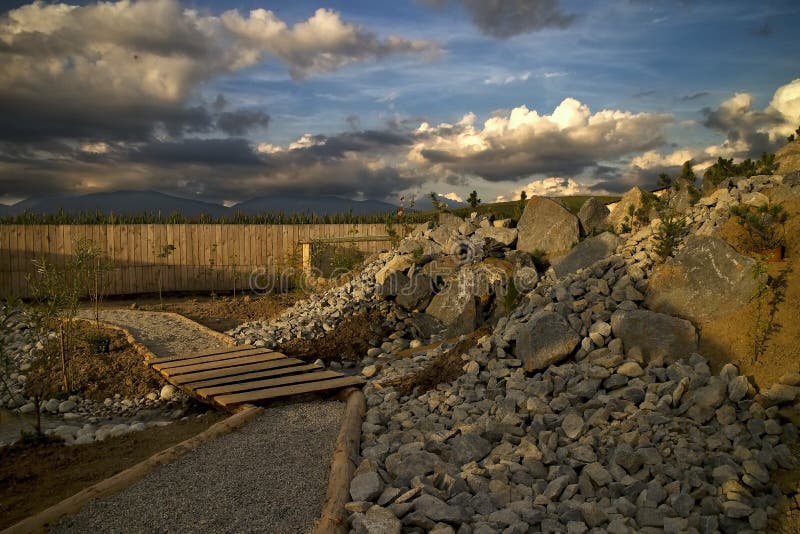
[{"x": 229, "y": 100}]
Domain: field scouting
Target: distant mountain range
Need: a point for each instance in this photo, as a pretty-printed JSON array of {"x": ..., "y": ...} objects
[{"x": 137, "y": 202}]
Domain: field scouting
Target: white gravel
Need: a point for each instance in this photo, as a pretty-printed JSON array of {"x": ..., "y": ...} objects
[{"x": 269, "y": 476}]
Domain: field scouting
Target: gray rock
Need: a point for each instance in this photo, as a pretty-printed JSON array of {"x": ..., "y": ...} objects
[
  {"x": 407, "y": 464},
  {"x": 545, "y": 339},
  {"x": 598, "y": 474},
  {"x": 377, "y": 520},
  {"x": 548, "y": 227},
  {"x": 456, "y": 308},
  {"x": 593, "y": 514},
  {"x": 780, "y": 394},
  {"x": 586, "y": 253},
  {"x": 416, "y": 294},
  {"x": 399, "y": 263},
  {"x": 419, "y": 246},
  {"x": 657, "y": 335},
  {"x": 705, "y": 400},
  {"x": 572, "y": 425},
  {"x": 69, "y": 405},
  {"x": 593, "y": 215},
  {"x": 466, "y": 448},
  {"x": 706, "y": 280},
  {"x": 503, "y": 236},
  {"x": 737, "y": 388},
  {"x": 619, "y": 214},
  {"x": 438, "y": 510},
  {"x": 366, "y": 486}
]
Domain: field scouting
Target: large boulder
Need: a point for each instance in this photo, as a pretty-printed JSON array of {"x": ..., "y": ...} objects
[
  {"x": 399, "y": 263},
  {"x": 420, "y": 246},
  {"x": 621, "y": 212},
  {"x": 455, "y": 307},
  {"x": 416, "y": 294},
  {"x": 547, "y": 226},
  {"x": 586, "y": 253},
  {"x": 544, "y": 340},
  {"x": 706, "y": 280},
  {"x": 447, "y": 229},
  {"x": 593, "y": 216},
  {"x": 660, "y": 337}
]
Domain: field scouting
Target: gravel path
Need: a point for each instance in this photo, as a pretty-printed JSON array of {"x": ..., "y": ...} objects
[
  {"x": 270, "y": 476},
  {"x": 163, "y": 334}
]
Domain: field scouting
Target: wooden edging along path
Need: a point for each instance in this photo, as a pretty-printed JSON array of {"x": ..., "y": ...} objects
[
  {"x": 333, "y": 518},
  {"x": 39, "y": 522}
]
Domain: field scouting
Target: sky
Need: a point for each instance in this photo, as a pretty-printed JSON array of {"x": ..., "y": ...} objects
[{"x": 225, "y": 101}]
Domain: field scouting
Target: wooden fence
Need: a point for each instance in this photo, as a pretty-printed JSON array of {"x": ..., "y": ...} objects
[{"x": 206, "y": 256}]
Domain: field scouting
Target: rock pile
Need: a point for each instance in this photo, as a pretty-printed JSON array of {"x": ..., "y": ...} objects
[{"x": 585, "y": 408}]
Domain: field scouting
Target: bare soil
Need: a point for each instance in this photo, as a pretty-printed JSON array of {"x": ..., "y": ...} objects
[
  {"x": 350, "y": 340},
  {"x": 446, "y": 367},
  {"x": 731, "y": 339},
  {"x": 93, "y": 375},
  {"x": 34, "y": 477}
]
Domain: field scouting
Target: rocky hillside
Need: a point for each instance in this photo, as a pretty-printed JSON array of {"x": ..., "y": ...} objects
[{"x": 548, "y": 375}]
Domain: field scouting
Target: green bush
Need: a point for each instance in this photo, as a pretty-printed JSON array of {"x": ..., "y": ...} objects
[{"x": 764, "y": 225}]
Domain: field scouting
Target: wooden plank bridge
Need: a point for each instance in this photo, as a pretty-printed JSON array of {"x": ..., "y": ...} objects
[{"x": 230, "y": 376}]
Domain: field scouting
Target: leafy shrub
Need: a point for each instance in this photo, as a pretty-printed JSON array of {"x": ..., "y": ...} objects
[{"x": 668, "y": 235}]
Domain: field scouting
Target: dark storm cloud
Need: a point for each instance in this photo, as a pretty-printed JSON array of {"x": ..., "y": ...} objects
[
  {"x": 31, "y": 120},
  {"x": 507, "y": 18},
  {"x": 230, "y": 151},
  {"x": 241, "y": 121}
]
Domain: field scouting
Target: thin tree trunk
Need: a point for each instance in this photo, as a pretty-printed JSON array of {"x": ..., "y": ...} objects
[
  {"x": 37, "y": 400},
  {"x": 63, "y": 356}
]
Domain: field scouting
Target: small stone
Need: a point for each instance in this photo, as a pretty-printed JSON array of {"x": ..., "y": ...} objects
[
  {"x": 168, "y": 392},
  {"x": 737, "y": 388},
  {"x": 29, "y": 407},
  {"x": 630, "y": 369},
  {"x": 598, "y": 474},
  {"x": 377, "y": 520},
  {"x": 572, "y": 425},
  {"x": 736, "y": 509},
  {"x": 67, "y": 406},
  {"x": 366, "y": 487},
  {"x": 369, "y": 371}
]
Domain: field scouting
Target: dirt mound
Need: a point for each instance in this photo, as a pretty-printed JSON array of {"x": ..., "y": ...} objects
[
  {"x": 98, "y": 376},
  {"x": 350, "y": 340}
]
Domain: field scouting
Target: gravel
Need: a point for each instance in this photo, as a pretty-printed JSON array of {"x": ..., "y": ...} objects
[
  {"x": 269, "y": 476},
  {"x": 163, "y": 334}
]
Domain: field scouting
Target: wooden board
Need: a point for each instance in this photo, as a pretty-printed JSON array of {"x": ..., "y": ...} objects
[
  {"x": 268, "y": 383},
  {"x": 288, "y": 368},
  {"x": 232, "y": 371},
  {"x": 233, "y": 362},
  {"x": 231, "y": 376},
  {"x": 286, "y": 391},
  {"x": 218, "y": 350},
  {"x": 205, "y": 359}
]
